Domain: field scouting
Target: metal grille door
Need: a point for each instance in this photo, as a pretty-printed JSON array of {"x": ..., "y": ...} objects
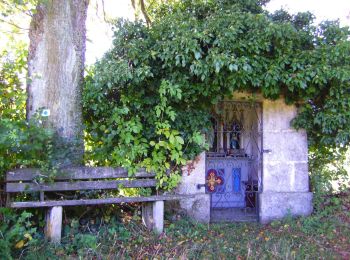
[{"x": 233, "y": 164}]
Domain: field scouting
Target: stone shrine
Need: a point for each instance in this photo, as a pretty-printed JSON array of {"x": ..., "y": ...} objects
[{"x": 256, "y": 168}]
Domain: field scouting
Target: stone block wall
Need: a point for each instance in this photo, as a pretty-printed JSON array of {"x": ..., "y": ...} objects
[
  {"x": 198, "y": 207},
  {"x": 285, "y": 180}
]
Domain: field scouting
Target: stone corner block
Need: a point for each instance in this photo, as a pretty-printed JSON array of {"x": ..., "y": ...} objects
[
  {"x": 197, "y": 208},
  {"x": 277, "y": 205}
]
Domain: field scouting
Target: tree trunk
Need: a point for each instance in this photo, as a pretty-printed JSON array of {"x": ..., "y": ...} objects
[{"x": 56, "y": 65}]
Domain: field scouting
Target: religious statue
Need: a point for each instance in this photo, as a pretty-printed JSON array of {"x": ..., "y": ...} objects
[{"x": 234, "y": 142}]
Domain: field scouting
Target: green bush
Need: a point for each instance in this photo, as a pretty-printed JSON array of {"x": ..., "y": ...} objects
[{"x": 147, "y": 102}]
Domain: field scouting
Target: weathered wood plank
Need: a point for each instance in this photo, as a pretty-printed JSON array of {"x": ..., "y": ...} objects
[
  {"x": 53, "y": 203},
  {"x": 79, "y": 185},
  {"x": 76, "y": 173}
]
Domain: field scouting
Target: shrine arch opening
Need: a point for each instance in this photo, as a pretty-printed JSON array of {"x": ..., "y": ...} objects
[{"x": 234, "y": 161}]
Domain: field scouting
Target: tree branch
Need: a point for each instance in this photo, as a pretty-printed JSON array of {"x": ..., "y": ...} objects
[
  {"x": 5, "y": 31},
  {"x": 10, "y": 6},
  {"x": 104, "y": 11},
  {"x": 133, "y": 4},
  {"x": 144, "y": 12},
  {"x": 13, "y": 24}
]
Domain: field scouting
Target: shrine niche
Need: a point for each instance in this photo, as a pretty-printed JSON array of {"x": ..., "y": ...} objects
[
  {"x": 255, "y": 168},
  {"x": 235, "y": 150}
]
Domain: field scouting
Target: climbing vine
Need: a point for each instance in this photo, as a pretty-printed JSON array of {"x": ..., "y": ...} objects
[{"x": 147, "y": 101}]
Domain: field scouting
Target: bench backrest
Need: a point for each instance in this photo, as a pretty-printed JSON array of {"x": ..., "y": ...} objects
[{"x": 78, "y": 178}]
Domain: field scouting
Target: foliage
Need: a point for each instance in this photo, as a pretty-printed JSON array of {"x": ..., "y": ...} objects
[
  {"x": 16, "y": 231},
  {"x": 143, "y": 140},
  {"x": 329, "y": 171},
  {"x": 148, "y": 101},
  {"x": 22, "y": 143},
  {"x": 15, "y": 16},
  {"x": 12, "y": 93}
]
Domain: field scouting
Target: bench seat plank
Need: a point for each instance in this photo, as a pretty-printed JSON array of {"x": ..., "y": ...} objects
[
  {"x": 76, "y": 173},
  {"x": 53, "y": 203},
  {"x": 80, "y": 185}
]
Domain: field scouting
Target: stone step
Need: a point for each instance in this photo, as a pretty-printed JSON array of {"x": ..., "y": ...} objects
[
  {"x": 234, "y": 219},
  {"x": 233, "y": 215}
]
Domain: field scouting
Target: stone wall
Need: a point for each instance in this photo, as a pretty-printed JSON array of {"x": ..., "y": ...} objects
[
  {"x": 285, "y": 180},
  {"x": 198, "y": 207}
]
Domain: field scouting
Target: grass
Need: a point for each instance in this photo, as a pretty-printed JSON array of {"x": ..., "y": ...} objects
[{"x": 96, "y": 235}]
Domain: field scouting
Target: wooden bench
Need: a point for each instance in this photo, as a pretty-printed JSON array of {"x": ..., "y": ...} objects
[{"x": 74, "y": 179}]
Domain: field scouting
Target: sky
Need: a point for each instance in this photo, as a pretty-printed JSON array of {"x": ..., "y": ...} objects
[
  {"x": 323, "y": 9},
  {"x": 100, "y": 35}
]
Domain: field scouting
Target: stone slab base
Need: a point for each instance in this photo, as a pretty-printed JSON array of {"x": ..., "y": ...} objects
[
  {"x": 197, "y": 208},
  {"x": 233, "y": 215},
  {"x": 277, "y": 205}
]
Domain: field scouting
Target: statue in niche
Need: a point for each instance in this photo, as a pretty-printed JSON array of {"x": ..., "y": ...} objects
[
  {"x": 235, "y": 137},
  {"x": 234, "y": 142}
]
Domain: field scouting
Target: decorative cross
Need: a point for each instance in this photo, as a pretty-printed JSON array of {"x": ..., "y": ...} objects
[{"x": 213, "y": 180}]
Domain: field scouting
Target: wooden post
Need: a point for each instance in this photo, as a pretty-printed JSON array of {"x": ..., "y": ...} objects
[
  {"x": 153, "y": 216},
  {"x": 53, "y": 226},
  {"x": 8, "y": 199},
  {"x": 42, "y": 196}
]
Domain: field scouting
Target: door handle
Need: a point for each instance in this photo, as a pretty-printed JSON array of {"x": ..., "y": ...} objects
[{"x": 199, "y": 186}]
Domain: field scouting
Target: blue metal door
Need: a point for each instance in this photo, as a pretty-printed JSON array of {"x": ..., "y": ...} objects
[{"x": 229, "y": 191}]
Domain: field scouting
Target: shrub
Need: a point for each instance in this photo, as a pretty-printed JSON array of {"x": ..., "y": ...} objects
[{"x": 147, "y": 102}]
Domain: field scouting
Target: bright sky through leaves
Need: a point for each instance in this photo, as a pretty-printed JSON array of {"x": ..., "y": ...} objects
[
  {"x": 323, "y": 9},
  {"x": 99, "y": 34}
]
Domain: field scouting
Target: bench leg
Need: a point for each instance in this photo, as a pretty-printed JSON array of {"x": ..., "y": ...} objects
[
  {"x": 153, "y": 216},
  {"x": 53, "y": 224}
]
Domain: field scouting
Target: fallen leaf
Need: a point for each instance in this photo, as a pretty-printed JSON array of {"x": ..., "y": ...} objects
[
  {"x": 181, "y": 242},
  {"x": 19, "y": 244}
]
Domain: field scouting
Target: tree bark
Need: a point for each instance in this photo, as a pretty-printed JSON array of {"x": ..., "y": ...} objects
[{"x": 56, "y": 66}]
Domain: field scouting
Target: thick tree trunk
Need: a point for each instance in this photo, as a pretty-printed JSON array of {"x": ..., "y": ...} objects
[{"x": 56, "y": 65}]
